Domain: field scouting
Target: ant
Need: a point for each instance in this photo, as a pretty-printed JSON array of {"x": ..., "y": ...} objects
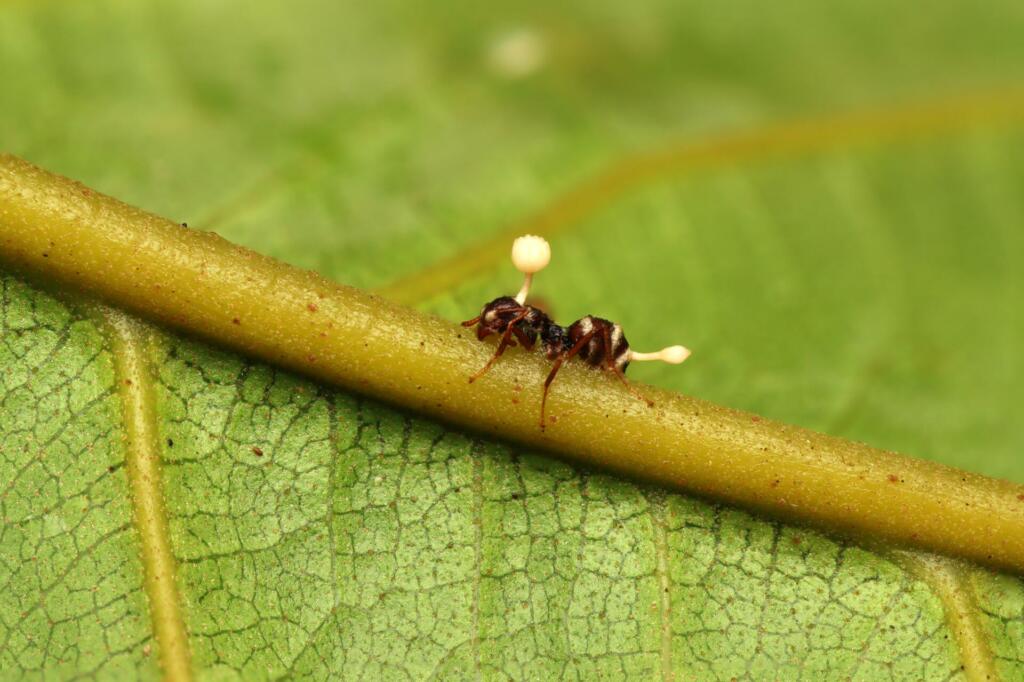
[{"x": 598, "y": 342}]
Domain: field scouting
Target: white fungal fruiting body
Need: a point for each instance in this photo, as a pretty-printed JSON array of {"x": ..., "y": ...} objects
[
  {"x": 673, "y": 355},
  {"x": 530, "y": 254}
]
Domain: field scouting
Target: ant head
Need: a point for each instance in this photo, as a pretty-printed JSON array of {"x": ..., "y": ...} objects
[{"x": 530, "y": 254}]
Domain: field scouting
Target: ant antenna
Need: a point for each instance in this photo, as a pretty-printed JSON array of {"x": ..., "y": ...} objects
[
  {"x": 530, "y": 254},
  {"x": 673, "y": 355}
]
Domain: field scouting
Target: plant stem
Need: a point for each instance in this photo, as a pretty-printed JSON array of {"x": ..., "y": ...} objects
[{"x": 59, "y": 230}]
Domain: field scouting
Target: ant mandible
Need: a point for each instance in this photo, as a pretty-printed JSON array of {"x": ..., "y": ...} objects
[{"x": 598, "y": 342}]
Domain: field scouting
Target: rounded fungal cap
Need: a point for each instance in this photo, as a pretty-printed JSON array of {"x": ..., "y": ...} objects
[
  {"x": 531, "y": 254},
  {"x": 673, "y": 355}
]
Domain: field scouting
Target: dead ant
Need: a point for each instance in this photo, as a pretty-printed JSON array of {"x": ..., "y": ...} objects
[{"x": 598, "y": 342}]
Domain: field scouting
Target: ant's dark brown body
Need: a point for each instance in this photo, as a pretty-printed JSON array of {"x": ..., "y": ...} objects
[
  {"x": 598, "y": 342},
  {"x": 508, "y": 317}
]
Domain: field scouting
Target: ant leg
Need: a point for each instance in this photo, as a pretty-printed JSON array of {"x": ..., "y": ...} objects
[
  {"x": 482, "y": 332},
  {"x": 625, "y": 382},
  {"x": 524, "y": 340},
  {"x": 554, "y": 370},
  {"x": 610, "y": 364},
  {"x": 505, "y": 339},
  {"x": 547, "y": 384},
  {"x": 494, "y": 358}
]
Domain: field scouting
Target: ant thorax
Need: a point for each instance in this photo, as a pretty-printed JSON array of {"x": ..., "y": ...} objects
[{"x": 555, "y": 340}]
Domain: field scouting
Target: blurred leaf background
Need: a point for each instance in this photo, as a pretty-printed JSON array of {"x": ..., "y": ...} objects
[{"x": 872, "y": 289}]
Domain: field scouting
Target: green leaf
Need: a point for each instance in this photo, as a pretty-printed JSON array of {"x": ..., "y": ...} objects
[{"x": 871, "y": 291}]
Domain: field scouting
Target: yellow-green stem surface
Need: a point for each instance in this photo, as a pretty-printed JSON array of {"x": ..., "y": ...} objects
[{"x": 59, "y": 230}]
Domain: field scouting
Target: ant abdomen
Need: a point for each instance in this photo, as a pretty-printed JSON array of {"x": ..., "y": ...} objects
[{"x": 607, "y": 346}]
